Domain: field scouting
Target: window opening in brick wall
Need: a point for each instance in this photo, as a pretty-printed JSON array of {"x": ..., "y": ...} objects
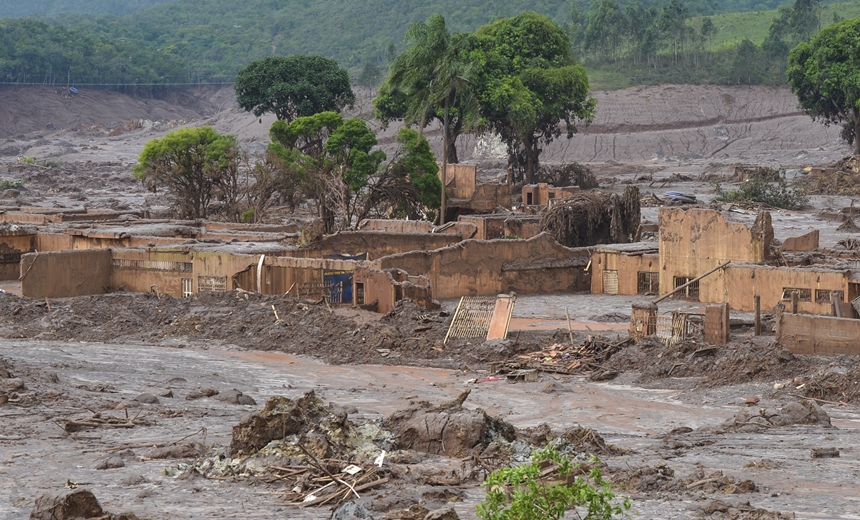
[
  {"x": 823, "y": 296},
  {"x": 649, "y": 283},
  {"x": 803, "y": 295},
  {"x": 187, "y": 287},
  {"x": 690, "y": 292}
]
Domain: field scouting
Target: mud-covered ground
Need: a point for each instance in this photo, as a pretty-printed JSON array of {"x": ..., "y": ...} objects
[
  {"x": 99, "y": 354},
  {"x": 71, "y": 380}
]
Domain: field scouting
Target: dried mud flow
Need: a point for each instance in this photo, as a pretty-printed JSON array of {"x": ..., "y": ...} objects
[{"x": 174, "y": 408}]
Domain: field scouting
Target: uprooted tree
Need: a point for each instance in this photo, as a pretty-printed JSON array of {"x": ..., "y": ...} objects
[
  {"x": 592, "y": 218},
  {"x": 196, "y": 166},
  {"x": 825, "y": 75}
]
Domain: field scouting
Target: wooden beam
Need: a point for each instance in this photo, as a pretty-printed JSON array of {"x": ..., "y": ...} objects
[{"x": 694, "y": 280}]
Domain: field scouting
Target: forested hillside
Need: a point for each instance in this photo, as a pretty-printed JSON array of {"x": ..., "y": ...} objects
[
  {"x": 621, "y": 42},
  {"x": 16, "y": 8}
]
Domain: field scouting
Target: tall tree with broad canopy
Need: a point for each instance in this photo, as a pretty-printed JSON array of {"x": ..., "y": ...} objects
[
  {"x": 824, "y": 73},
  {"x": 431, "y": 79},
  {"x": 529, "y": 84},
  {"x": 293, "y": 86},
  {"x": 195, "y": 165},
  {"x": 403, "y": 96}
]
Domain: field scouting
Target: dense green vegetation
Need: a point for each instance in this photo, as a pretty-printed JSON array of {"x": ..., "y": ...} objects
[
  {"x": 16, "y": 9},
  {"x": 620, "y": 42},
  {"x": 32, "y": 51},
  {"x": 825, "y": 75}
]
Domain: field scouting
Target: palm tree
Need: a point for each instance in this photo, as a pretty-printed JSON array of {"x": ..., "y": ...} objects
[{"x": 433, "y": 73}]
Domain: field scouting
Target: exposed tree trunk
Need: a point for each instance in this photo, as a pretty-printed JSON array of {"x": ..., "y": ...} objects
[
  {"x": 444, "y": 206},
  {"x": 454, "y": 132},
  {"x": 856, "y": 112},
  {"x": 531, "y": 151}
]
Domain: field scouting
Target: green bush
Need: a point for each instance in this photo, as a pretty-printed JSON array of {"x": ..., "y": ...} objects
[
  {"x": 519, "y": 493},
  {"x": 777, "y": 194},
  {"x": 5, "y": 185},
  {"x": 247, "y": 216}
]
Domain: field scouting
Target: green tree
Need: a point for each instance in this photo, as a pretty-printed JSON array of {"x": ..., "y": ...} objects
[
  {"x": 195, "y": 165},
  {"x": 521, "y": 493},
  {"x": 293, "y": 86},
  {"x": 334, "y": 158},
  {"x": 824, "y": 73},
  {"x": 529, "y": 86},
  {"x": 746, "y": 68},
  {"x": 433, "y": 76}
]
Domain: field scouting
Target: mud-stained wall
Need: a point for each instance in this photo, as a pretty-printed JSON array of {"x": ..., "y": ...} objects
[
  {"x": 145, "y": 270},
  {"x": 460, "y": 180},
  {"x": 540, "y": 194},
  {"x": 491, "y": 227},
  {"x": 12, "y": 246},
  {"x": 490, "y": 267},
  {"x": 373, "y": 285},
  {"x": 65, "y": 274},
  {"x": 375, "y": 243},
  {"x": 806, "y": 334},
  {"x": 69, "y": 242},
  {"x": 607, "y": 266},
  {"x": 806, "y": 242},
  {"x": 386, "y": 288},
  {"x": 302, "y": 277},
  {"x": 464, "y": 229},
  {"x": 395, "y": 225},
  {"x": 694, "y": 241},
  {"x": 738, "y": 285}
]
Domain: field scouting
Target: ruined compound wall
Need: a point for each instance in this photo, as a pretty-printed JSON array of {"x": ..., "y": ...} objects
[
  {"x": 144, "y": 270},
  {"x": 491, "y": 227},
  {"x": 807, "y": 334},
  {"x": 737, "y": 285},
  {"x": 694, "y": 241},
  {"x": 461, "y": 180},
  {"x": 395, "y": 225},
  {"x": 379, "y": 287},
  {"x": 12, "y": 247},
  {"x": 65, "y": 274},
  {"x": 375, "y": 243},
  {"x": 490, "y": 267},
  {"x": 626, "y": 268},
  {"x": 69, "y": 242},
  {"x": 387, "y": 287}
]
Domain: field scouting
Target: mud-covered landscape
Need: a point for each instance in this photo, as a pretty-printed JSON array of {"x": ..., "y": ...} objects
[{"x": 244, "y": 405}]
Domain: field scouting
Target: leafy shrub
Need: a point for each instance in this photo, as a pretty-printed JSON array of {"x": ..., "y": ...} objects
[
  {"x": 519, "y": 493},
  {"x": 5, "y": 185},
  {"x": 777, "y": 194}
]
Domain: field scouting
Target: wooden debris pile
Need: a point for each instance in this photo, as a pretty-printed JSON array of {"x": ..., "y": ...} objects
[
  {"x": 564, "y": 359},
  {"x": 98, "y": 420},
  {"x": 328, "y": 481}
]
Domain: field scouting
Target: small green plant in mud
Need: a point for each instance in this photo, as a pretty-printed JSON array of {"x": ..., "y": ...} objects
[
  {"x": 521, "y": 493},
  {"x": 777, "y": 194},
  {"x": 5, "y": 185},
  {"x": 28, "y": 160},
  {"x": 247, "y": 216}
]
